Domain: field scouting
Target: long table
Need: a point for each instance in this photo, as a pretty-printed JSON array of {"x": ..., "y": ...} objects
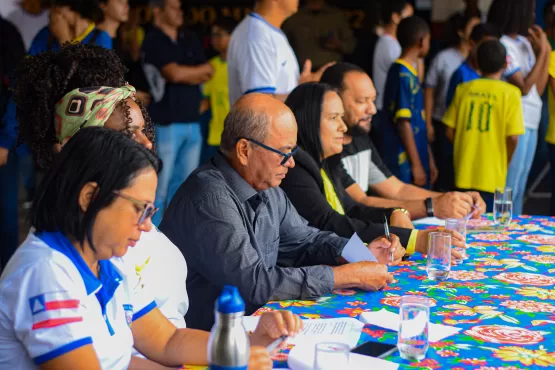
[{"x": 503, "y": 298}]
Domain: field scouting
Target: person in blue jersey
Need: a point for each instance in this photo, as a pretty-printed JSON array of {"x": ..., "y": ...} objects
[
  {"x": 71, "y": 21},
  {"x": 468, "y": 70},
  {"x": 67, "y": 297},
  {"x": 435, "y": 90},
  {"x": 404, "y": 141}
]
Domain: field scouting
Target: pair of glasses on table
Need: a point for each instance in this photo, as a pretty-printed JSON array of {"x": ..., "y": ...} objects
[
  {"x": 286, "y": 156},
  {"x": 148, "y": 210}
]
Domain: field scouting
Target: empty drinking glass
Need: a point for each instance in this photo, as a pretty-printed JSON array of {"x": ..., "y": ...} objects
[
  {"x": 328, "y": 356},
  {"x": 503, "y": 206},
  {"x": 414, "y": 315},
  {"x": 458, "y": 225},
  {"x": 439, "y": 255}
]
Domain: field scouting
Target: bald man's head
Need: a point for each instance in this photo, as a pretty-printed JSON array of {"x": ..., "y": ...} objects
[
  {"x": 252, "y": 116},
  {"x": 257, "y": 129}
]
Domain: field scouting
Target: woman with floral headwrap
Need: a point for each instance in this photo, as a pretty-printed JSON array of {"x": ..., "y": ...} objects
[
  {"x": 111, "y": 107},
  {"x": 54, "y": 102}
]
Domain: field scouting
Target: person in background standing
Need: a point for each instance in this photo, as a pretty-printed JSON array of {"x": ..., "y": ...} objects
[
  {"x": 13, "y": 51},
  {"x": 130, "y": 38},
  {"x": 175, "y": 66},
  {"x": 29, "y": 19},
  {"x": 260, "y": 57},
  {"x": 69, "y": 20},
  {"x": 485, "y": 138},
  {"x": 468, "y": 70},
  {"x": 405, "y": 147},
  {"x": 387, "y": 47},
  {"x": 115, "y": 12},
  {"x": 216, "y": 91},
  {"x": 435, "y": 92},
  {"x": 528, "y": 58},
  {"x": 319, "y": 32}
]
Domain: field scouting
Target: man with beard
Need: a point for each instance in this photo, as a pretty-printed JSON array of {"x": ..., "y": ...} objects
[{"x": 365, "y": 166}]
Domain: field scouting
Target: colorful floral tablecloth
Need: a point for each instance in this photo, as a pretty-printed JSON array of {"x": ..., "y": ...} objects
[{"x": 503, "y": 298}]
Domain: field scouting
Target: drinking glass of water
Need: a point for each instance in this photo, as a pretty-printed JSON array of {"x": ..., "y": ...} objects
[
  {"x": 439, "y": 256},
  {"x": 414, "y": 315},
  {"x": 458, "y": 225},
  {"x": 503, "y": 206},
  {"x": 331, "y": 355}
]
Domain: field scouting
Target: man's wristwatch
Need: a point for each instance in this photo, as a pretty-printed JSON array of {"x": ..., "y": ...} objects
[{"x": 429, "y": 207}]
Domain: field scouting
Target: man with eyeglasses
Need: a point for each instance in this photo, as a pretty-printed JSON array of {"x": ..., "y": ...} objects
[{"x": 234, "y": 225}]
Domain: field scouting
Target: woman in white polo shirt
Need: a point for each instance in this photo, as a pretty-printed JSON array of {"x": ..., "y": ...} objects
[
  {"x": 67, "y": 299},
  {"x": 42, "y": 84}
]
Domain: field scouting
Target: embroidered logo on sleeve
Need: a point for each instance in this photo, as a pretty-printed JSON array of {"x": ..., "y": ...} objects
[
  {"x": 128, "y": 308},
  {"x": 54, "y": 309}
]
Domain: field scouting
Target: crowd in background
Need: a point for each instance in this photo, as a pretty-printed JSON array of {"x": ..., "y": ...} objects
[
  {"x": 186, "y": 94},
  {"x": 252, "y": 168}
]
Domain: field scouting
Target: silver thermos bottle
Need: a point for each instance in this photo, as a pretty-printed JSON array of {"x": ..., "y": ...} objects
[{"x": 229, "y": 346}]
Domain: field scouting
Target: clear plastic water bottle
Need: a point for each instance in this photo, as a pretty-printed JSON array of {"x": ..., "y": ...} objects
[{"x": 229, "y": 346}]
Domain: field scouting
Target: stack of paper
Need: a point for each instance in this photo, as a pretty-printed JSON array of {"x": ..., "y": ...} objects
[
  {"x": 430, "y": 221},
  {"x": 391, "y": 321},
  {"x": 301, "y": 357},
  {"x": 342, "y": 330}
]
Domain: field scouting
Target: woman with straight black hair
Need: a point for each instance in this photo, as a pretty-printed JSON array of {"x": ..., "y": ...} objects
[
  {"x": 317, "y": 184},
  {"x": 528, "y": 53},
  {"x": 67, "y": 298}
]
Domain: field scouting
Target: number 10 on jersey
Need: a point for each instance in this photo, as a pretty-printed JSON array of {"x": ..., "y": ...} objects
[{"x": 481, "y": 112}]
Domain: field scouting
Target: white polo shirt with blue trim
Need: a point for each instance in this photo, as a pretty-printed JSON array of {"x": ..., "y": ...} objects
[
  {"x": 51, "y": 303},
  {"x": 260, "y": 59}
]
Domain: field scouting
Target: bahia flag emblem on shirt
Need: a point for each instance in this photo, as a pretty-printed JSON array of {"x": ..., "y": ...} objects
[{"x": 54, "y": 309}]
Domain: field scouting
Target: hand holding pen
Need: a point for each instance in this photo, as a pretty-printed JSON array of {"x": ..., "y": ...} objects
[{"x": 388, "y": 236}]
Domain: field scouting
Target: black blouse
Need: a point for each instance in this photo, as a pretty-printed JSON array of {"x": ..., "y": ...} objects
[{"x": 304, "y": 186}]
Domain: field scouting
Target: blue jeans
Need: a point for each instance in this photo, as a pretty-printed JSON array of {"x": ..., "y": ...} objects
[
  {"x": 179, "y": 146},
  {"x": 520, "y": 166}
]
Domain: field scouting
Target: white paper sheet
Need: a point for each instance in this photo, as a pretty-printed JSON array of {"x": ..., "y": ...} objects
[
  {"x": 356, "y": 251},
  {"x": 390, "y": 320},
  {"x": 432, "y": 221},
  {"x": 301, "y": 357},
  {"x": 343, "y": 330},
  {"x": 250, "y": 322}
]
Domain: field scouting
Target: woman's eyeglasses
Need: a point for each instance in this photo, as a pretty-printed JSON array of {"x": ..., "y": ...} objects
[
  {"x": 148, "y": 208},
  {"x": 286, "y": 156}
]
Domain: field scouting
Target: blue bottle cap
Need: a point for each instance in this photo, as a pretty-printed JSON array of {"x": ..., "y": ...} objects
[{"x": 230, "y": 301}]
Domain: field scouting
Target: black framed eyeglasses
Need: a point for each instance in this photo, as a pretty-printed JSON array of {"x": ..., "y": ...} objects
[
  {"x": 148, "y": 208},
  {"x": 286, "y": 156}
]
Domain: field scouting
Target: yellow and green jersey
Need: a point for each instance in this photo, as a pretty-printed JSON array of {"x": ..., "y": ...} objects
[
  {"x": 484, "y": 112},
  {"x": 216, "y": 90}
]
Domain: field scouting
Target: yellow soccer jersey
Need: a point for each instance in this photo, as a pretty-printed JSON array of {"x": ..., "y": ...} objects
[
  {"x": 484, "y": 112},
  {"x": 217, "y": 91}
]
